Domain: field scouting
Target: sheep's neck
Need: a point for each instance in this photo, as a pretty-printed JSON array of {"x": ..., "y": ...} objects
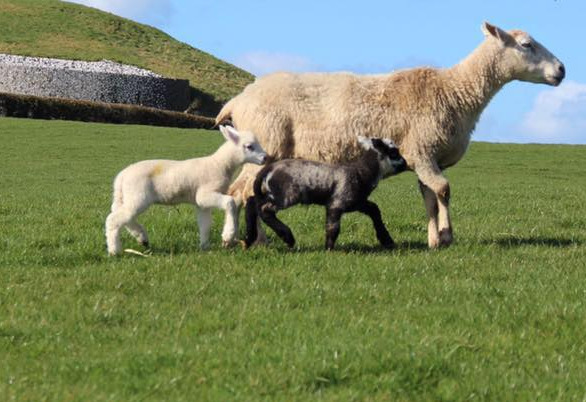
[
  {"x": 225, "y": 161},
  {"x": 368, "y": 170},
  {"x": 477, "y": 78}
]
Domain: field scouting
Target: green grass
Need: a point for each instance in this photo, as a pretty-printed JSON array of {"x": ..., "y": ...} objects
[
  {"x": 53, "y": 28},
  {"x": 500, "y": 315}
]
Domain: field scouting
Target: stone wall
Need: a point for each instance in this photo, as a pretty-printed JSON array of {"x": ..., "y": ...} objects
[{"x": 94, "y": 81}]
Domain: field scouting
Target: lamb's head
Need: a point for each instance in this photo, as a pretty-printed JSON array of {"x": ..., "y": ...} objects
[
  {"x": 247, "y": 146},
  {"x": 390, "y": 160},
  {"x": 524, "y": 58}
]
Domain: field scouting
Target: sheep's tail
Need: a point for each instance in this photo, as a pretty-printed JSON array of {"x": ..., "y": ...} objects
[
  {"x": 225, "y": 115},
  {"x": 117, "y": 198},
  {"x": 251, "y": 221}
]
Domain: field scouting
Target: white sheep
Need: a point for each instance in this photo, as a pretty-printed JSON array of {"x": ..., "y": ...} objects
[
  {"x": 429, "y": 113},
  {"x": 200, "y": 181}
]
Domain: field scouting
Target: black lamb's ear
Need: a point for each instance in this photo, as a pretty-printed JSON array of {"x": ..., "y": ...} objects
[{"x": 380, "y": 146}]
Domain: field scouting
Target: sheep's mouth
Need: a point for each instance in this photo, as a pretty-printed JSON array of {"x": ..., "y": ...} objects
[{"x": 554, "y": 80}]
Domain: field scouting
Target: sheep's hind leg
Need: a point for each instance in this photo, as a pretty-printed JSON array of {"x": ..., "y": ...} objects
[
  {"x": 269, "y": 216},
  {"x": 114, "y": 222},
  {"x": 138, "y": 232},
  {"x": 204, "y": 223},
  {"x": 382, "y": 234}
]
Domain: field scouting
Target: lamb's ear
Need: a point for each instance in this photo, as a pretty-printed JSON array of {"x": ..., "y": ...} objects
[
  {"x": 230, "y": 134},
  {"x": 494, "y": 31},
  {"x": 366, "y": 143}
]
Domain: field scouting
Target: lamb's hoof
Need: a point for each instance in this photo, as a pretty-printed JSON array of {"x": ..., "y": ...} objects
[
  {"x": 228, "y": 243},
  {"x": 243, "y": 245},
  {"x": 388, "y": 245},
  {"x": 145, "y": 244}
]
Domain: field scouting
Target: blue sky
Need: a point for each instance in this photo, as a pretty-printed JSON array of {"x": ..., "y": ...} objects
[{"x": 376, "y": 36}]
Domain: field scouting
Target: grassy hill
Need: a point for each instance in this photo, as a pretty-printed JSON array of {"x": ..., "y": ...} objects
[
  {"x": 500, "y": 315},
  {"x": 52, "y": 28}
]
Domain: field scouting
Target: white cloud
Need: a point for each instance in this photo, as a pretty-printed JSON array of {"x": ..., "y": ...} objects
[
  {"x": 558, "y": 116},
  {"x": 153, "y": 12},
  {"x": 260, "y": 62}
]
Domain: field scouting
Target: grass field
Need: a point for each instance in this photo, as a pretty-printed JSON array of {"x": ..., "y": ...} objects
[{"x": 500, "y": 315}]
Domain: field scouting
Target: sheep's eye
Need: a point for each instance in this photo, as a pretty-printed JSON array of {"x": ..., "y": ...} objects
[
  {"x": 248, "y": 147},
  {"x": 527, "y": 45}
]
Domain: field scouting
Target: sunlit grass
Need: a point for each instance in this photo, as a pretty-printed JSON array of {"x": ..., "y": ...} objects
[{"x": 500, "y": 315}]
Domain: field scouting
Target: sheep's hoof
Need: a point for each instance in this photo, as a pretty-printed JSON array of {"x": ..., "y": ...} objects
[
  {"x": 145, "y": 244},
  {"x": 243, "y": 245},
  {"x": 445, "y": 237}
]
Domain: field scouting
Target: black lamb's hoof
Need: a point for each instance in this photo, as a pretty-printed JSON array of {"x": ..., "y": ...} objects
[
  {"x": 388, "y": 245},
  {"x": 145, "y": 244}
]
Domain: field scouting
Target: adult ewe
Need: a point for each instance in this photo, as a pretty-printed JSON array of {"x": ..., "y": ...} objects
[{"x": 429, "y": 113}]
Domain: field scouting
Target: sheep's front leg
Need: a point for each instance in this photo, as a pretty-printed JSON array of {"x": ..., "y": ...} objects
[
  {"x": 333, "y": 216},
  {"x": 435, "y": 190},
  {"x": 207, "y": 200},
  {"x": 382, "y": 234}
]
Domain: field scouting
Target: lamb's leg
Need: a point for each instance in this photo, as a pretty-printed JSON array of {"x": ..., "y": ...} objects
[
  {"x": 204, "y": 223},
  {"x": 114, "y": 222},
  {"x": 371, "y": 209},
  {"x": 242, "y": 189},
  {"x": 333, "y": 216},
  {"x": 210, "y": 199},
  {"x": 138, "y": 232},
  {"x": 269, "y": 216},
  {"x": 435, "y": 190},
  {"x": 251, "y": 222}
]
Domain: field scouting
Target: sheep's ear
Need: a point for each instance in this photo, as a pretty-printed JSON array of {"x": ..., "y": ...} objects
[
  {"x": 230, "y": 134},
  {"x": 366, "y": 143},
  {"x": 494, "y": 31}
]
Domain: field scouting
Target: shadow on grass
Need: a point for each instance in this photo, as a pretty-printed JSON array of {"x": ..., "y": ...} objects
[
  {"x": 361, "y": 248},
  {"x": 513, "y": 241}
]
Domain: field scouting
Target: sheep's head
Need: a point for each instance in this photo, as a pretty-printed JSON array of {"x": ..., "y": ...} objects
[
  {"x": 390, "y": 160},
  {"x": 246, "y": 143},
  {"x": 525, "y": 58}
]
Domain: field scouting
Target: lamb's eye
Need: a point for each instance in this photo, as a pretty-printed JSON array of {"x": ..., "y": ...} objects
[
  {"x": 248, "y": 147},
  {"x": 527, "y": 45}
]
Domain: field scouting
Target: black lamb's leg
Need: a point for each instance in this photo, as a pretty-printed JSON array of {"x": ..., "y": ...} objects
[
  {"x": 251, "y": 221},
  {"x": 269, "y": 216},
  {"x": 333, "y": 216},
  {"x": 371, "y": 209}
]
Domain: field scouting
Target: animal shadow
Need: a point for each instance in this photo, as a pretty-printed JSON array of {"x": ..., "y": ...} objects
[
  {"x": 514, "y": 241},
  {"x": 361, "y": 248}
]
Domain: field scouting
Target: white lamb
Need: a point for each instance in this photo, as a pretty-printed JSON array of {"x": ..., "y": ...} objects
[{"x": 200, "y": 181}]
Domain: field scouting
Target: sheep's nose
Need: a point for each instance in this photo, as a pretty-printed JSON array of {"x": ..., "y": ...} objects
[{"x": 561, "y": 71}]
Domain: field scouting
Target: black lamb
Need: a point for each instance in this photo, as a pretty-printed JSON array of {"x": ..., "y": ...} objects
[{"x": 340, "y": 188}]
